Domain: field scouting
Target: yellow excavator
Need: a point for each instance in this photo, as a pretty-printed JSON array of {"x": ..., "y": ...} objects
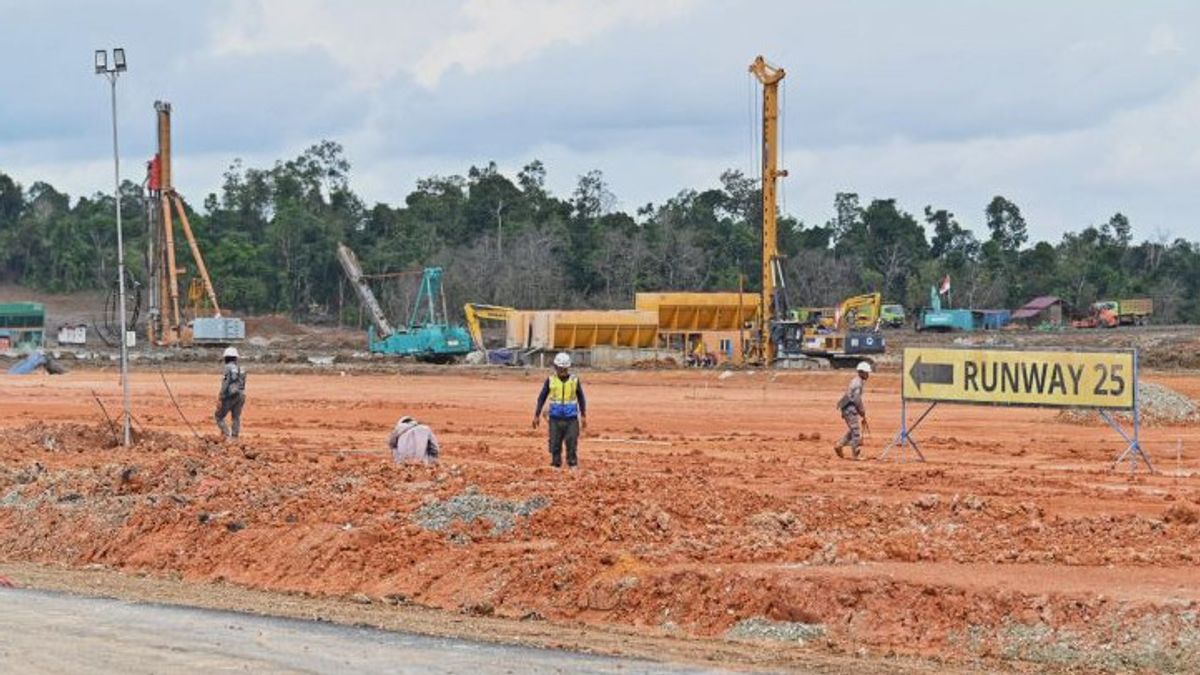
[
  {"x": 473, "y": 313},
  {"x": 860, "y": 312}
]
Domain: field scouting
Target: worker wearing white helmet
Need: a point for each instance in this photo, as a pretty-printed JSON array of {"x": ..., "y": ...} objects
[
  {"x": 568, "y": 409},
  {"x": 232, "y": 396},
  {"x": 851, "y": 408}
]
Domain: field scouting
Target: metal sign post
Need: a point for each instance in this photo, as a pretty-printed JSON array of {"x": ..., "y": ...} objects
[{"x": 1105, "y": 381}]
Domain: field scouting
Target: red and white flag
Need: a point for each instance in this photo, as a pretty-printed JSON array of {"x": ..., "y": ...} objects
[{"x": 945, "y": 287}]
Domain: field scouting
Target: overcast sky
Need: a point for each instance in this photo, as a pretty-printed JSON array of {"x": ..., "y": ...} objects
[{"x": 1072, "y": 109}]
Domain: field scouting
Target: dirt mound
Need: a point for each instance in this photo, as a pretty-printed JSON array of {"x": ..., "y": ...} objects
[
  {"x": 715, "y": 515},
  {"x": 273, "y": 326},
  {"x": 1160, "y": 405}
]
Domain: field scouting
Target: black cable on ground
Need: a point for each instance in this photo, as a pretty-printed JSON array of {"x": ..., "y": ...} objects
[
  {"x": 108, "y": 418},
  {"x": 176, "y": 403}
]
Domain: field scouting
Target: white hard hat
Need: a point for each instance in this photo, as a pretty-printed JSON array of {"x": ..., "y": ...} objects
[
  {"x": 231, "y": 352},
  {"x": 562, "y": 360},
  {"x": 864, "y": 367}
]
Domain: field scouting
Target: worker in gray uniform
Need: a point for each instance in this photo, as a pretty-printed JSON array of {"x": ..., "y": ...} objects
[
  {"x": 232, "y": 396},
  {"x": 852, "y": 410}
]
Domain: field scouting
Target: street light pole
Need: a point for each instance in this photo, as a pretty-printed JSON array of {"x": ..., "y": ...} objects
[{"x": 111, "y": 74}]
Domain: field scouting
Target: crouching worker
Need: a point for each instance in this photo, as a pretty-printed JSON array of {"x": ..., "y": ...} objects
[
  {"x": 412, "y": 441},
  {"x": 232, "y": 396},
  {"x": 567, "y": 408}
]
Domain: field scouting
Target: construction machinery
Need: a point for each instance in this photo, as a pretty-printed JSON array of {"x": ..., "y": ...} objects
[
  {"x": 769, "y": 76},
  {"x": 781, "y": 339},
  {"x": 1113, "y": 313},
  {"x": 428, "y": 336},
  {"x": 473, "y": 313},
  {"x": 851, "y": 336},
  {"x": 935, "y": 318},
  {"x": 168, "y": 325},
  {"x": 892, "y": 316}
]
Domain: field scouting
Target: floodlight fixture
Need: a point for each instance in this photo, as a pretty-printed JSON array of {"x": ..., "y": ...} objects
[
  {"x": 102, "y": 61},
  {"x": 119, "y": 59}
]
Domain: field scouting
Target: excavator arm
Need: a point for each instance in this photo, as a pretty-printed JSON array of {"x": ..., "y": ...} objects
[
  {"x": 860, "y": 311},
  {"x": 354, "y": 272},
  {"x": 473, "y": 313}
]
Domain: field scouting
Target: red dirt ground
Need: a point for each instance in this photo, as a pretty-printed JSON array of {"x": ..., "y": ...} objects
[{"x": 702, "y": 502}]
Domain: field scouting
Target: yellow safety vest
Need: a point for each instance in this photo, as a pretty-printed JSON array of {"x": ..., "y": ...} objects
[{"x": 564, "y": 400}]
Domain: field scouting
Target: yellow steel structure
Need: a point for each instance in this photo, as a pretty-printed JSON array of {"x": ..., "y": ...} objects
[
  {"x": 769, "y": 76},
  {"x": 473, "y": 313},
  {"x": 582, "y": 329},
  {"x": 695, "y": 312}
]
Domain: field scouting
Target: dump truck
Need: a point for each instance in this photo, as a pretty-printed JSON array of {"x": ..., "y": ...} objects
[
  {"x": 891, "y": 316},
  {"x": 1113, "y": 313},
  {"x": 1132, "y": 311}
]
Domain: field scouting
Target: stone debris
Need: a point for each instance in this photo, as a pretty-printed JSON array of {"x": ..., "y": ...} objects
[
  {"x": 1159, "y": 404},
  {"x": 759, "y": 628},
  {"x": 471, "y": 506}
]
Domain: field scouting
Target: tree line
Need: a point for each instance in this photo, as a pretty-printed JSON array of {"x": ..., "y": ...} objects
[{"x": 269, "y": 235}]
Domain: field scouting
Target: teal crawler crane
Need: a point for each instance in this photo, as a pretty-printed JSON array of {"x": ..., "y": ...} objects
[{"x": 428, "y": 335}]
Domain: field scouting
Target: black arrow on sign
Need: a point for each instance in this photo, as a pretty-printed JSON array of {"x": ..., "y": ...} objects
[{"x": 931, "y": 373}]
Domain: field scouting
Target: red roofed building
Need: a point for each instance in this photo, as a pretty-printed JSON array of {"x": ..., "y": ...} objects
[{"x": 1046, "y": 309}]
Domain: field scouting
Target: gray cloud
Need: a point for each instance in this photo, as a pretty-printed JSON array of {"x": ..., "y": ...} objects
[{"x": 1073, "y": 109}]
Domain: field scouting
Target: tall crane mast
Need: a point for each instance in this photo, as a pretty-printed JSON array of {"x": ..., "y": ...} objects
[
  {"x": 769, "y": 76},
  {"x": 167, "y": 324}
]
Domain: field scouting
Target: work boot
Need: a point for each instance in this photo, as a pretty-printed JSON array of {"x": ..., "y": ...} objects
[
  {"x": 856, "y": 452},
  {"x": 838, "y": 449}
]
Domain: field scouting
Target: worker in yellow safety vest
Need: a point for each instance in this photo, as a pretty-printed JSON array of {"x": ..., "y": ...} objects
[{"x": 568, "y": 409}]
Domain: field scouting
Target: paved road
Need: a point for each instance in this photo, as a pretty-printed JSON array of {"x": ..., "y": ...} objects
[{"x": 42, "y": 632}]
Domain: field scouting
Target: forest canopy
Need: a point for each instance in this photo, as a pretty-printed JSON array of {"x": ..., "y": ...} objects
[{"x": 269, "y": 237}]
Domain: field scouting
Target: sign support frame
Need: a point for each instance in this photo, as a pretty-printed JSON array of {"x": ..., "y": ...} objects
[
  {"x": 1133, "y": 451},
  {"x": 904, "y": 437}
]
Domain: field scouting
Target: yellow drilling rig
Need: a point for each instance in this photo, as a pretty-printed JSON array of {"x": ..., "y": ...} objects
[
  {"x": 781, "y": 339},
  {"x": 168, "y": 325}
]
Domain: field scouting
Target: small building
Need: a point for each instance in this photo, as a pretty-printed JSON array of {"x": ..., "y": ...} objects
[
  {"x": 25, "y": 323},
  {"x": 993, "y": 319},
  {"x": 72, "y": 334},
  {"x": 1044, "y": 310}
]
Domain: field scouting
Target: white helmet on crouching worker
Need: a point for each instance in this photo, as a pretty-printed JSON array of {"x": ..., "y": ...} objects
[
  {"x": 562, "y": 360},
  {"x": 864, "y": 367},
  {"x": 231, "y": 352}
]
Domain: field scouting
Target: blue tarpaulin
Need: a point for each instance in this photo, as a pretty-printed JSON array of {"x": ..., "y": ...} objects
[{"x": 30, "y": 364}]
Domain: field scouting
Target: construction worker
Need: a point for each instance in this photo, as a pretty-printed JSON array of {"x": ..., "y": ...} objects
[
  {"x": 411, "y": 440},
  {"x": 568, "y": 409},
  {"x": 233, "y": 394},
  {"x": 851, "y": 407}
]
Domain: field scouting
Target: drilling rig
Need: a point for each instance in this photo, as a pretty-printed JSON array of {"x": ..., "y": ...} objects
[
  {"x": 781, "y": 340},
  {"x": 168, "y": 324}
]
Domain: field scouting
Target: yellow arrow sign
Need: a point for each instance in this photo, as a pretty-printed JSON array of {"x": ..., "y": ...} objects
[{"x": 1016, "y": 377}]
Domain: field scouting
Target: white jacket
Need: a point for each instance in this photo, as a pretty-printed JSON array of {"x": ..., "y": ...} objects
[{"x": 412, "y": 441}]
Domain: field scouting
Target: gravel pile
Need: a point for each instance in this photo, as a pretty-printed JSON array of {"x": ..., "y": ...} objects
[
  {"x": 1160, "y": 405},
  {"x": 471, "y": 506},
  {"x": 759, "y": 628}
]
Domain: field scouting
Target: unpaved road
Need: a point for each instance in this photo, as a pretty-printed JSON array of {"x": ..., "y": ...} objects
[{"x": 47, "y": 632}]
